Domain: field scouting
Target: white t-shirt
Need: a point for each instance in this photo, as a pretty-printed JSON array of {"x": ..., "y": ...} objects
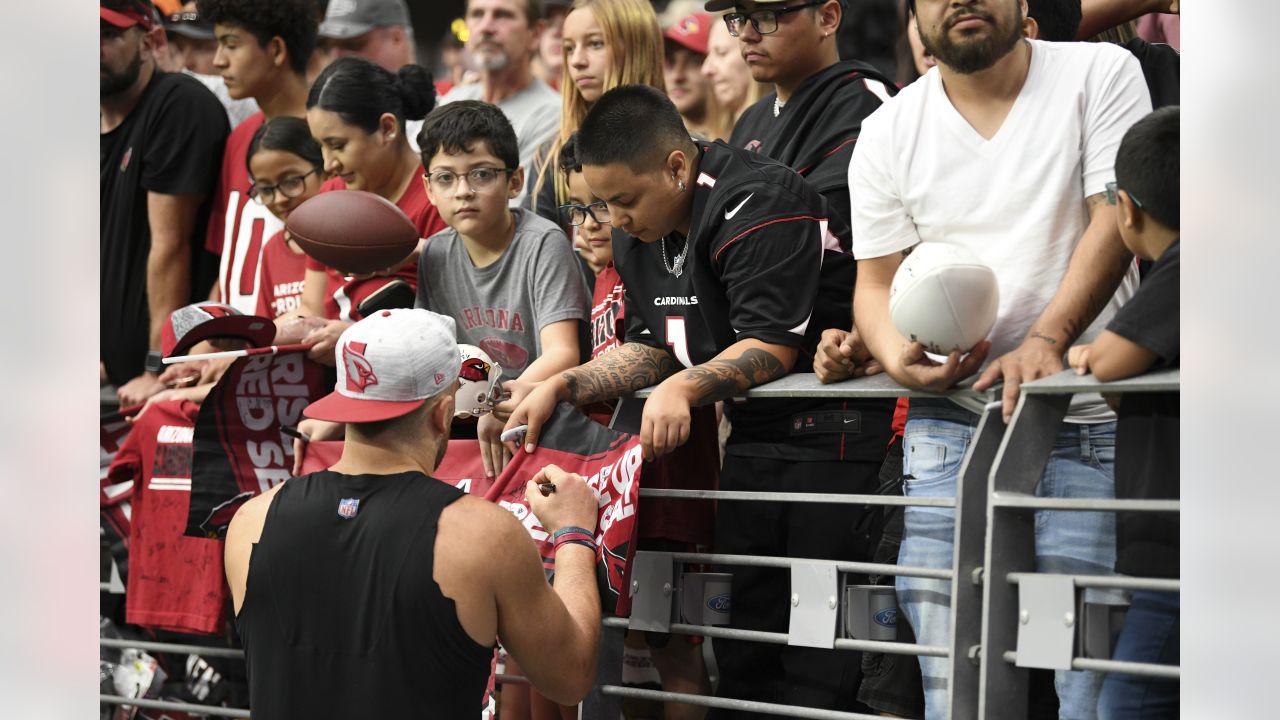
[{"x": 921, "y": 173}]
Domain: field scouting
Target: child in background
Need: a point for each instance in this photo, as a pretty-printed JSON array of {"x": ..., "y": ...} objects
[
  {"x": 1142, "y": 337},
  {"x": 506, "y": 276}
]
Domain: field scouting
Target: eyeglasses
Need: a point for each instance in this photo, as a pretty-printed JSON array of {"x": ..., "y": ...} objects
[
  {"x": 575, "y": 214},
  {"x": 290, "y": 187},
  {"x": 764, "y": 21},
  {"x": 1112, "y": 198},
  {"x": 482, "y": 178}
]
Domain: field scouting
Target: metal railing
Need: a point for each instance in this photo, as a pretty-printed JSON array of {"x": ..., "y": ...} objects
[{"x": 1001, "y": 469}]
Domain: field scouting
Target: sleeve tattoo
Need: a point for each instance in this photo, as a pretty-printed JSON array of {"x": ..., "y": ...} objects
[
  {"x": 629, "y": 368},
  {"x": 722, "y": 379}
]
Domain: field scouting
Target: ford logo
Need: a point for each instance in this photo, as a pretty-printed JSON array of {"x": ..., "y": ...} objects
[
  {"x": 718, "y": 603},
  {"x": 887, "y": 617}
]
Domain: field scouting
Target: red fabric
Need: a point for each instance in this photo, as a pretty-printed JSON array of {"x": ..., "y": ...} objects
[
  {"x": 280, "y": 278},
  {"x": 900, "y": 417},
  {"x": 238, "y": 227},
  {"x": 698, "y": 461},
  {"x": 175, "y": 582},
  {"x": 341, "y": 295}
]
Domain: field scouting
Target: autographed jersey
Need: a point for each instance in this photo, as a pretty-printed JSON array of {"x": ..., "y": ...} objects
[
  {"x": 174, "y": 582},
  {"x": 761, "y": 259},
  {"x": 238, "y": 225}
]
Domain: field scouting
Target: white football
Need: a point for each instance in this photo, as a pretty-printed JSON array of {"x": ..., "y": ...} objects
[{"x": 944, "y": 298}]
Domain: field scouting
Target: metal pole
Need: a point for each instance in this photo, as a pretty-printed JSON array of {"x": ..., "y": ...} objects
[
  {"x": 1117, "y": 582},
  {"x": 732, "y": 704},
  {"x": 775, "y": 638},
  {"x": 166, "y": 705},
  {"x": 841, "y": 566},
  {"x": 1031, "y": 502},
  {"x": 1171, "y": 672},
  {"x": 172, "y": 648},
  {"x": 825, "y": 498}
]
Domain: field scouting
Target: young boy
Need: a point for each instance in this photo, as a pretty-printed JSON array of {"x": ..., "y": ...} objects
[
  {"x": 506, "y": 276},
  {"x": 263, "y": 49},
  {"x": 1143, "y": 336}
]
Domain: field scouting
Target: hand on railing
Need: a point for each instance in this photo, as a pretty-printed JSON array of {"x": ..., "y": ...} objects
[{"x": 841, "y": 355}]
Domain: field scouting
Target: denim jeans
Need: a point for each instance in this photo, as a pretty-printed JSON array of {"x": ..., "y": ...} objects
[
  {"x": 935, "y": 442},
  {"x": 1150, "y": 635}
]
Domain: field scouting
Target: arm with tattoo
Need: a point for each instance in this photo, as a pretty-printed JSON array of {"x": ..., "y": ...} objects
[
  {"x": 721, "y": 379},
  {"x": 1097, "y": 267},
  {"x": 629, "y": 368}
]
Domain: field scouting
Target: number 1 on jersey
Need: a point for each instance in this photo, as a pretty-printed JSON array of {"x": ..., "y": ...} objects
[{"x": 678, "y": 340}]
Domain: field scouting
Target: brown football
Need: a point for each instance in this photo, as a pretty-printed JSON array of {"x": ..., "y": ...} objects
[{"x": 353, "y": 231}]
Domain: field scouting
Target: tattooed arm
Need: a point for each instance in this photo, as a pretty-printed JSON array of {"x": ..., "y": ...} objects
[
  {"x": 665, "y": 424},
  {"x": 1097, "y": 267},
  {"x": 627, "y": 369}
]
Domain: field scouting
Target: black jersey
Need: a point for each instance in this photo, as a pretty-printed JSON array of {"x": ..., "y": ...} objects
[
  {"x": 762, "y": 263},
  {"x": 815, "y": 131},
  {"x": 341, "y": 615}
]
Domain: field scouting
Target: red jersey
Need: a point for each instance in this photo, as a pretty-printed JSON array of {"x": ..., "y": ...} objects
[
  {"x": 342, "y": 295},
  {"x": 175, "y": 582},
  {"x": 238, "y": 225},
  {"x": 688, "y": 521},
  {"x": 280, "y": 278}
]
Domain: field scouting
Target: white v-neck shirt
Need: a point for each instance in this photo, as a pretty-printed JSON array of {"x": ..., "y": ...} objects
[{"x": 921, "y": 173}]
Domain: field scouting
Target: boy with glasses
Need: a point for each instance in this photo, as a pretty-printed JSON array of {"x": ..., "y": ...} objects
[{"x": 506, "y": 276}]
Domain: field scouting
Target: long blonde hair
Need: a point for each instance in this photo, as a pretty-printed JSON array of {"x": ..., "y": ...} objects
[{"x": 634, "y": 39}]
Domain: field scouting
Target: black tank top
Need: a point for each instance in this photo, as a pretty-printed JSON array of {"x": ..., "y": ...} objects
[{"x": 341, "y": 617}]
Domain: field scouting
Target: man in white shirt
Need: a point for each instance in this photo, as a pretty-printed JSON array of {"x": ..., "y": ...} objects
[
  {"x": 504, "y": 37},
  {"x": 1004, "y": 148}
]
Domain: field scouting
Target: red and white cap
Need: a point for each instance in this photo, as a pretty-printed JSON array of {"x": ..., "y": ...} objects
[
  {"x": 389, "y": 364},
  {"x": 189, "y": 325},
  {"x": 691, "y": 31}
]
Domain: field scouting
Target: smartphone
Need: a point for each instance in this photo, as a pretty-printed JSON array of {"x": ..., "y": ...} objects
[{"x": 393, "y": 295}]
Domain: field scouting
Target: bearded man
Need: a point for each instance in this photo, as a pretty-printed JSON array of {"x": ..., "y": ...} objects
[{"x": 1005, "y": 148}]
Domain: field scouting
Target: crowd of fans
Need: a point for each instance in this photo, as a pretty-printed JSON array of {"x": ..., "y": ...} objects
[{"x": 565, "y": 163}]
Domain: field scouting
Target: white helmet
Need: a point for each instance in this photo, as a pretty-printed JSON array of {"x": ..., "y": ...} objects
[{"x": 479, "y": 383}]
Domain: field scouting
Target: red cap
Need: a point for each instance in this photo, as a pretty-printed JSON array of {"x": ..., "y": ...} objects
[
  {"x": 127, "y": 13},
  {"x": 189, "y": 325},
  {"x": 691, "y": 31}
]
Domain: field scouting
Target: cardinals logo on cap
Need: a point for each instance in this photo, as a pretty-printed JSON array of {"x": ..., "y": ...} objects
[
  {"x": 359, "y": 371},
  {"x": 688, "y": 26}
]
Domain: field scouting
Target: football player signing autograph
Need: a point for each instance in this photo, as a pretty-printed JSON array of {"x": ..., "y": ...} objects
[{"x": 725, "y": 255}]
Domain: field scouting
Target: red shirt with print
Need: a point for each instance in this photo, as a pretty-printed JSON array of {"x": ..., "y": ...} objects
[{"x": 280, "y": 279}]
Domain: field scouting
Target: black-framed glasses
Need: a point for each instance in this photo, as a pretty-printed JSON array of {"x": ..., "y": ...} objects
[
  {"x": 764, "y": 21},
  {"x": 290, "y": 187},
  {"x": 576, "y": 214},
  {"x": 481, "y": 178},
  {"x": 1112, "y": 194}
]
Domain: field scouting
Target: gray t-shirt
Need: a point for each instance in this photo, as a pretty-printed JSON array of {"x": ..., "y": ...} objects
[
  {"x": 501, "y": 307},
  {"x": 534, "y": 113}
]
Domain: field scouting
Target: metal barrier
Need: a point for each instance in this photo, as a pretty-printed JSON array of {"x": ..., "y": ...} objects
[{"x": 1000, "y": 470}]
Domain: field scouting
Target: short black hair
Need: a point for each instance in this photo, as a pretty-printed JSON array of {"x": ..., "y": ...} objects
[
  {"x": 293, "y": 21},
  {"x": 456, "y": 127},
  {"x": 1147, "y": 165},
  {"x": 568, "y": 160},
  {"x": 289, "y": 134},
  {"x": 1058, "y": 20},
  {"x": 360, "y": 91},
  {"x": 636, "y": 125}
]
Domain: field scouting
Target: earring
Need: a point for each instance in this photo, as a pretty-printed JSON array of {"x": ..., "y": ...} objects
[{"x": 680, "y": 185}]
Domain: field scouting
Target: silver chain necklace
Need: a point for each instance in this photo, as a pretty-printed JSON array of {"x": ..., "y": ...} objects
[
  {"x": 677, "y": 267},
  {"x": 777, "y": 106}
]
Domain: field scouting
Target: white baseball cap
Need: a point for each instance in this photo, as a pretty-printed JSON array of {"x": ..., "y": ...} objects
[{"x": 389, "y": 364}]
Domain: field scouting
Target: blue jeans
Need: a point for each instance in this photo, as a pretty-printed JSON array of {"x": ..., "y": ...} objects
[
  {"x": 1150, "y": 635},
  {"x": 935, "y": 442}
]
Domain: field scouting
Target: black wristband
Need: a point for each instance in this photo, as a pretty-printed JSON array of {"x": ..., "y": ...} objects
[{"x": 154, "y": 363}]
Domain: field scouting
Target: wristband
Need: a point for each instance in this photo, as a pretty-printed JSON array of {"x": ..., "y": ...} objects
[
  {"x": 589, "y": 544},
  {"x": 572, "y": 529}
]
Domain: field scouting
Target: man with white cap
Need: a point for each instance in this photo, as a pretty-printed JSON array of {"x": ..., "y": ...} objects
[
  {"x": 371, "y": 589},
  {"x": 376, "y": 29}
]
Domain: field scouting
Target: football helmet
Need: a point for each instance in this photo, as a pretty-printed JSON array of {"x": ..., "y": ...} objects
[{"x": 479, "y": 383}]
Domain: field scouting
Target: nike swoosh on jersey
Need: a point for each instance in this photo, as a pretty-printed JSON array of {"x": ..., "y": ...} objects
[{"x": 728, "y": 214}]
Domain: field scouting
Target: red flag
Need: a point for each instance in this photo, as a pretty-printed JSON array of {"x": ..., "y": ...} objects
[{"x": 239, "y": 450}]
